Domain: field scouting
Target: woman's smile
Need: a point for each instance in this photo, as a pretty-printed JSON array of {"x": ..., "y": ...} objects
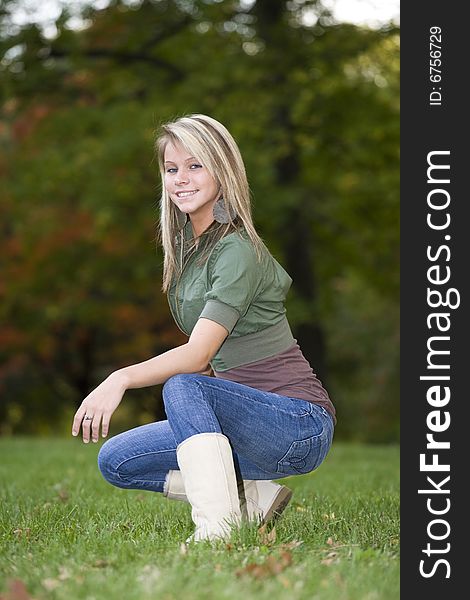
[
  {"x": 186, "y": 194},
  {"x": 190, "y": 186}
]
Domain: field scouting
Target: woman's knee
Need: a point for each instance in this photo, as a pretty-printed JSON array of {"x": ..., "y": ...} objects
[
  {"x": 108, "y": 463},
  {"x": 177, "y": 387}
]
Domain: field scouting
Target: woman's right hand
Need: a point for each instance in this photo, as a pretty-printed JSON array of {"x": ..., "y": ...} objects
[{"x": 100, "y": 404}]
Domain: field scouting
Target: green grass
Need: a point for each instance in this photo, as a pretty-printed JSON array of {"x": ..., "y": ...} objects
[{"x": 67, "y": 534}]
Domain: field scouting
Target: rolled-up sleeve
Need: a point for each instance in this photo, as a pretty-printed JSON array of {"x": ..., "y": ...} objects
[{"x": 235, "y": 276}]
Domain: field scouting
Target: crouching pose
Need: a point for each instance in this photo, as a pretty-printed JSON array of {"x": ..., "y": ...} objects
[{"x": 243, "y": 405}]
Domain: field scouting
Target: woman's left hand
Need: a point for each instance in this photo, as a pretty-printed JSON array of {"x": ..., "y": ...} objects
[{"x": 97, "y": 408}]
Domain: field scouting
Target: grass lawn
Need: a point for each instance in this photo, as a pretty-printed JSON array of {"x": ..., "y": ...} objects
[{"x": 67, "y": 534}]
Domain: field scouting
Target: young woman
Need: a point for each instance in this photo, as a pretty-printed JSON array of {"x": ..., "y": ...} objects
[{"x": 243, "y": 404}]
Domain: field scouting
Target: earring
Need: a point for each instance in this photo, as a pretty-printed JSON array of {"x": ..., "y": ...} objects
[{"x": 220, "y": 212}]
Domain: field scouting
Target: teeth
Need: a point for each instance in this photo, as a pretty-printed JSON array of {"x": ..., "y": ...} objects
[{"x": 185, "y": 194}]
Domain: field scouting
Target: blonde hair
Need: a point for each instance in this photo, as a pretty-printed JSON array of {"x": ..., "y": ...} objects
[{"x": 211, "y": 143}]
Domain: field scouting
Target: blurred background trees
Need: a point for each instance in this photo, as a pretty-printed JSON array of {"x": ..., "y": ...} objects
[{"x": 314, "y": 106}]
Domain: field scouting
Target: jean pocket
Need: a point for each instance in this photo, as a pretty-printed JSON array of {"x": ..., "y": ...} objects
[
  {"x": 304, "y": 456},
  {"x": 301, "y": 408}
]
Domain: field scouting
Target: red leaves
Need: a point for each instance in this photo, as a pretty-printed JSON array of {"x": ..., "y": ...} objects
[
  {"x": 17, "y": 591},
  {"x": 27, "y": 122},
  {"x": 273, "y": 565}
]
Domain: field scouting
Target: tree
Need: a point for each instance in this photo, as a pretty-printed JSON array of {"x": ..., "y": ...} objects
[{"x": 319, "y": 133}]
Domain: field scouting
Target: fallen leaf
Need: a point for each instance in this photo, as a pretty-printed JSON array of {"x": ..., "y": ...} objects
[
  {"x": 331, "y": 557},
  {"x": 100, "y": 563},
  {"x": 19, "y": 532},
  {"x": 63, "y": 495},
  {"x": 183, "y": 549},
  {"x": 291, "y": 545},
  {"x": 273, "y": 565},
  {"x": 279, "y": 564},
  {"x": 149, "y": 577},
  {"x": 267, "y": 538},
  {"x": 17, "y": 591},
  {"x": 50, "y": 584},
  {"x": 64, "y": 574}
]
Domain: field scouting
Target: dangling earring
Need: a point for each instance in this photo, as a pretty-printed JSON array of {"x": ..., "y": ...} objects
[{"x": 220, "y": 212}]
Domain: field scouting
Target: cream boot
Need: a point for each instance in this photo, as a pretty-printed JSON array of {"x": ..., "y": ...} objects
[
  {"x": 208, "y": 474},
  {"x": 263, "y": 500},
  {"x": 260, "y": 500}
]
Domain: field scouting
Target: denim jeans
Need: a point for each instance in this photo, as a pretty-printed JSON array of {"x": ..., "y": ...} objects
[{"x": 272, "y": 436}]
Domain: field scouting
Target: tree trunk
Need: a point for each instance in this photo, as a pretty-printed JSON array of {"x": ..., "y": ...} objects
[{"x": 297, "y": 233}]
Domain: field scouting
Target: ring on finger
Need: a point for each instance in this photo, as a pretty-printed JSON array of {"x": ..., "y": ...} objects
[{"x": 88, "y": 418}]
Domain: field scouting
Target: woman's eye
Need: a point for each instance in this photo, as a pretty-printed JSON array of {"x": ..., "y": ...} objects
[{"x": 193, "y": 166}]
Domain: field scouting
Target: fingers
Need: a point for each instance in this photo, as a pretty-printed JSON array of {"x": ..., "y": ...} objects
[
  {"x": 90, "y": 424},
  {"x": 96, "y": 410},
  {"x": 77, "y": 421},
  {"x": 87, "y": 425},
  {"x": 105, "y": 425}
]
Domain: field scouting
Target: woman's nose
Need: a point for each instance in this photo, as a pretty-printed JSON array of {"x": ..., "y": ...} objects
[{"x": 182, "y": 177}]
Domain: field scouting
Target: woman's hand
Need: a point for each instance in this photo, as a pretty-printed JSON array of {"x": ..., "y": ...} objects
[
  {"x": 193, "y": 357},
  {"x": 99, "y": 405}
]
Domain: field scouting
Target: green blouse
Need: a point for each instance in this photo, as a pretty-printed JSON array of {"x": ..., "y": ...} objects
[{"x": 235, "y": 289}]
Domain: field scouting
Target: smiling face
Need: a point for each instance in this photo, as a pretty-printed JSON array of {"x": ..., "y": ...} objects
[{"x": 190, "y": 186}]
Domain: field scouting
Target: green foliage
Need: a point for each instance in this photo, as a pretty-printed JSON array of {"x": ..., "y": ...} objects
[
  {"x": 66, "y": 533},
  {"x": 315, "y": 111}
]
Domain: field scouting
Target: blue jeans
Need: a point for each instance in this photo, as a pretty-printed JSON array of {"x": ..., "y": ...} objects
[{"x": 272, "y": 436}]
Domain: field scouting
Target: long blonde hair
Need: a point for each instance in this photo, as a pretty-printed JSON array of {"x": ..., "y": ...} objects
[{"x": 212, "y": 144}]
